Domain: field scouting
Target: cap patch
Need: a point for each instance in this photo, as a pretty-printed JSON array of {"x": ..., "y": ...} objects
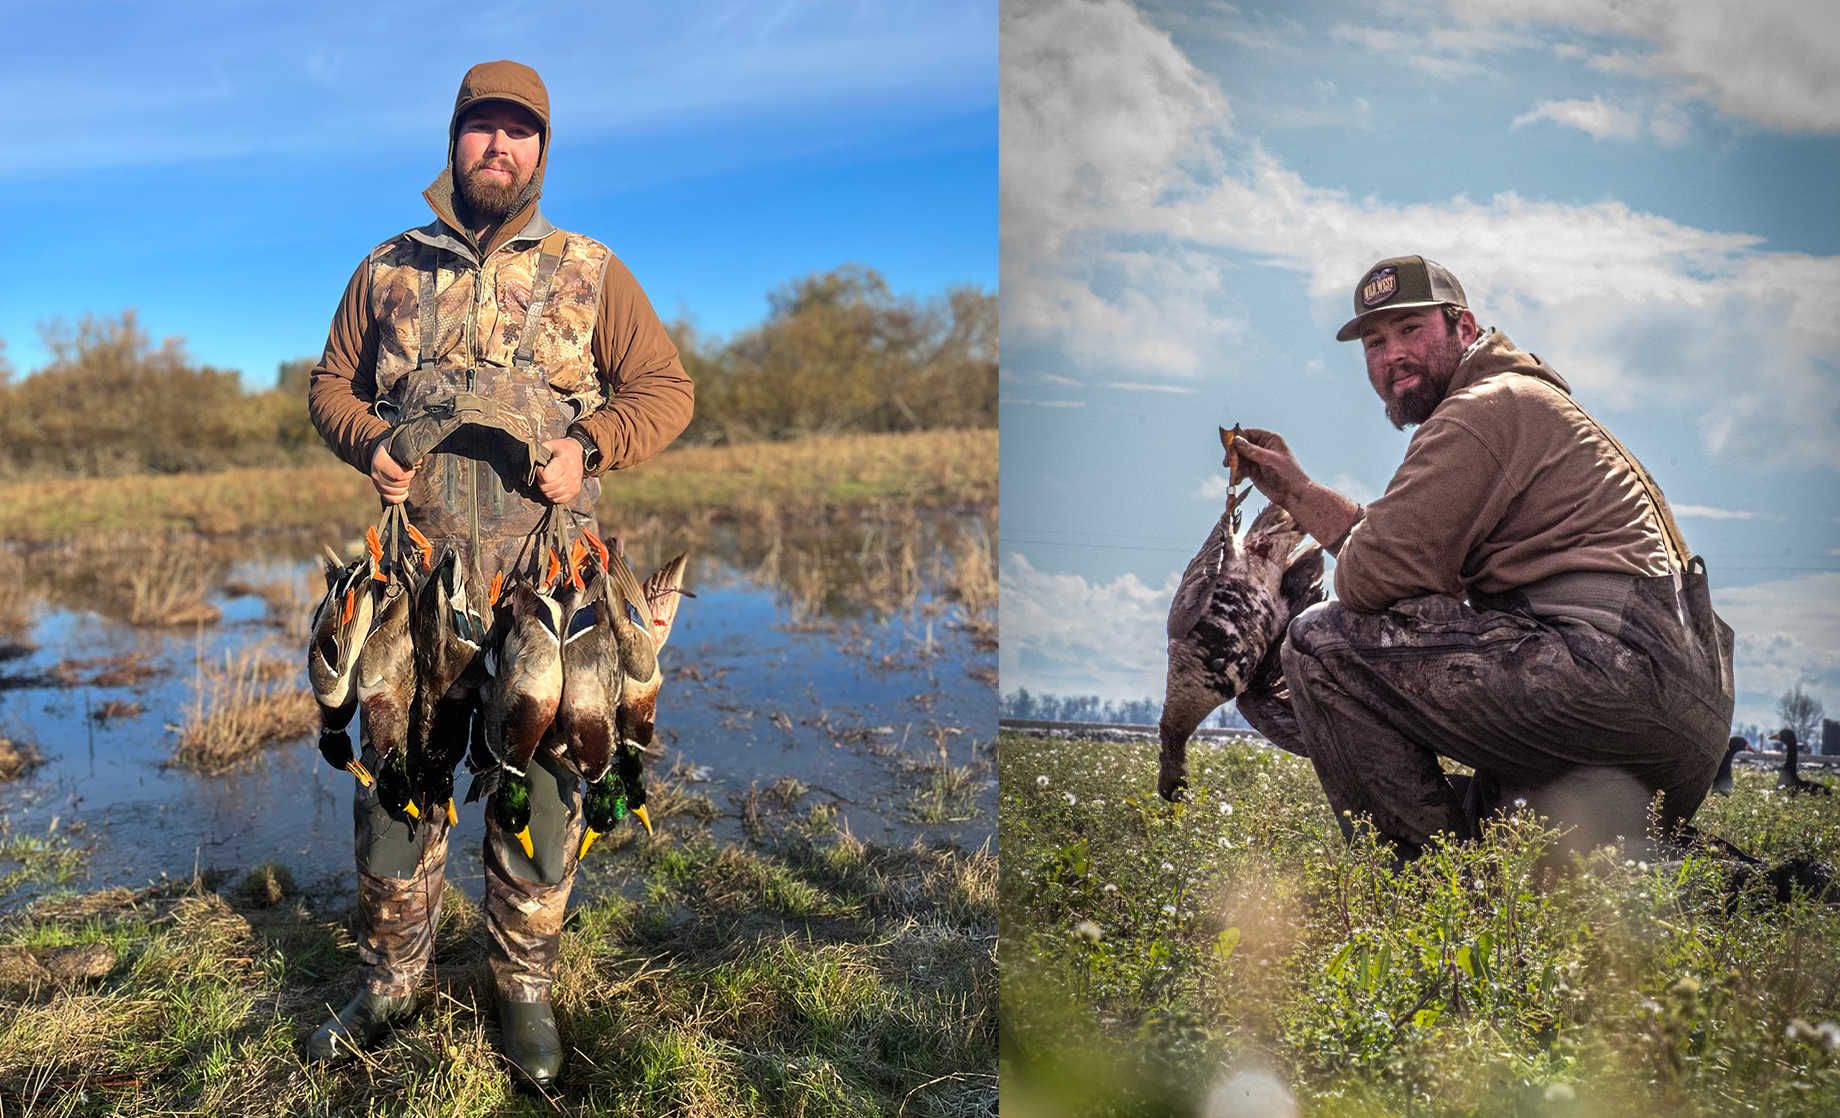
[{"x": 1381, "y": 284}]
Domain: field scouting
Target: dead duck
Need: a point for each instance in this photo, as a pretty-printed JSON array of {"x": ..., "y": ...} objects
[
  {"x": 620, "y": 787},
  {"x": 1722, "y": 783},
  {"x": 1235, "y": 600},
  {"x": 340, "y": 624},
  {"x": 1787, "y": 779},
  {"x": 449, "y": 638},
  {"x": 525, "y": 689},
  {"x": 386, "y": 694}
]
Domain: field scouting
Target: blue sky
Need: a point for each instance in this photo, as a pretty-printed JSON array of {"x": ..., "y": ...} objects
[
  {"x": 1642, "y": 194},
  {"x": 224, "y": 166}
]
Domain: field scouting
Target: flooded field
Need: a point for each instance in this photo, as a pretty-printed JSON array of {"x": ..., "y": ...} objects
[{"x": 838, "y": 671}]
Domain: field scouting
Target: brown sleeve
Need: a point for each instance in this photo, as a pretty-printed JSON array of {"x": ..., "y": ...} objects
[
  {"x": 649, "y": 396},
  {"x": 1449, "y": 493},
  {"x": 342, "y": 386}
]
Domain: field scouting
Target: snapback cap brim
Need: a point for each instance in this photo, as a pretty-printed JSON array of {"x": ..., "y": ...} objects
[{"x": 1351, "y": 330}]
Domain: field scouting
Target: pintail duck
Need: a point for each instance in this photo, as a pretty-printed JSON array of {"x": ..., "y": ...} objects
[
  {"x": 1787, "y": 778},
  {"x": 1228, "y": 619}
]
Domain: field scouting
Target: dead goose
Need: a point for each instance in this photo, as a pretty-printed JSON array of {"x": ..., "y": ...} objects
[
  {"x": 340, "y": 624},
  {"x": 1235, "y": 600},
  {"x": 526, "y": 688},
  {"x": 1787, "y": 778}
]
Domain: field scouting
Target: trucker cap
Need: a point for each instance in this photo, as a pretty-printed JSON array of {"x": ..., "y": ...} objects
[{"x": 1403, "y": 281}]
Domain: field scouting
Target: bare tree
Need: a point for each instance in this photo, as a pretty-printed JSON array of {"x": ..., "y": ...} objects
[{"x": 1800, "y": 712}]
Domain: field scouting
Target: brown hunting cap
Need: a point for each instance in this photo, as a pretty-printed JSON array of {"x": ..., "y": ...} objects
[
  {"x": 1403, "y": 281},
  {"x": 502, "y": 81}
]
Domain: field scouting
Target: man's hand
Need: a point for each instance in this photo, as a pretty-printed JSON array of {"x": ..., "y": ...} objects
[
  {"x": 392, "y": 481},
  {"x": 1267, "y": 460},
  {"x": 561, "y": 479}
]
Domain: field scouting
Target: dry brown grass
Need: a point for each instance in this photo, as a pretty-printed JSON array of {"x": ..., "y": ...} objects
[
  {"x": 16, "y": 758},
  {"x": 288, "y": 601},
  {"x": 241, "y": 707},
  {"x": 926, "y": 468},
  {"x": 15, "y": 597}
]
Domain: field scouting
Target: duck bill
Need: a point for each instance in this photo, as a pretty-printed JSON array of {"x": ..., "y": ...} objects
[
  {"x": 452, "y": 816},
  {"x": 523, "y": 838},
  {"x": 587, "y": 840},
  {"x": 414, "y": 812},
  {"x": 356, "y": 768},
  {"x": 644, "y": 818}
]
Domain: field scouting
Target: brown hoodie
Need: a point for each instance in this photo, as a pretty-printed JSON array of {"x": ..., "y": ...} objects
[
  {"x": 1508, "y": 482},
  {"x": 649, "y": 396}
]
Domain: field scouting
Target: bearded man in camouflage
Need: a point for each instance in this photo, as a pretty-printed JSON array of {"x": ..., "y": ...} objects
[
  {"x": 1519, "y": 600},
  {"x": 548, "y": 338}
]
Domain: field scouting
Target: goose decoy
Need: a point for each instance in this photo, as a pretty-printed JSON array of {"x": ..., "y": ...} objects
[
  {"x": 341, "y": 622},
  {"x": 1722, "y": 783},
  {"x": 1234, "y": 602},
  {"x": 1787, "y": 778},
  {"x": 386, "y": 693},
  {"x": 526, "y": 688}
]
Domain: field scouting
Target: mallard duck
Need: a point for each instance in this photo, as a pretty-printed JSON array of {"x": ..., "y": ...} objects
[
  {"x": 1722, "y": 783},
  {"x": 1235, "y": 600},
  {"x": 1787, "y": 778},
  {"x": 450, "y": 638},
  {"x": 386, "y": 693},
  {"x": 340, "y": 623},
  {"x": 525, "y": 691}
]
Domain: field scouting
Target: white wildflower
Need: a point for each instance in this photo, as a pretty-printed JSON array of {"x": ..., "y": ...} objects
[
  {"x": 1071, "y": 798},
  {"x": 1089, "y": 931},
  {"x": 1169, "y": 910},
  {"x": 1042, "y": 780},
  {"x": 1109, "y": 888},
  {"x": 1168, "y": 867}
]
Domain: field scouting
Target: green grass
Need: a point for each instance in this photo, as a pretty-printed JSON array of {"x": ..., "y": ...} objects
[
  {"x": 1150, "y": 951},
  {"x": 816, "y": 975}
]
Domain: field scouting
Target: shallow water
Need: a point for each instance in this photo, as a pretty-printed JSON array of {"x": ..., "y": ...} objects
[{"x": 779, "y": 668}]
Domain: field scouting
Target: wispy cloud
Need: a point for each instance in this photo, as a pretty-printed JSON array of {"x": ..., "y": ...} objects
[
  {"x": 1788, "y": 632},
  {"x": 1600, "y": 120},
  {"x": 1042, "y": 403},
  {"x": 1709, "y": 513},
  {"x": 1130, "y": 386}
]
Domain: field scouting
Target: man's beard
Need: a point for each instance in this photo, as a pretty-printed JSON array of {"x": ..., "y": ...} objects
[
  {"x": 490, "y": 200},
  {"x": 1415, "y": 404}
]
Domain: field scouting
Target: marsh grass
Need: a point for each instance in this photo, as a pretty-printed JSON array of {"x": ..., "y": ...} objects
[
  {"x": 940, "y": 791},
  {"x": 15, "y": 596},
  {"x": 287, "y": 600},
  {"x": 239, "y": 707},
  {"x": 927, "y": 468},
  {"x": 17, "y": 757},
  {"x": 820, "y": 976},
  {"x": 1150, "y": 950}
]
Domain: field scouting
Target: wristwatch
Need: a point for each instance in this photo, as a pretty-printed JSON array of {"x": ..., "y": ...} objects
[{"x": 590, "y": 451}]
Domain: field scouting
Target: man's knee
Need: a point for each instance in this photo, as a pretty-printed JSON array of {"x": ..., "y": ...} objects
[{"x": 1308, "y": 629}]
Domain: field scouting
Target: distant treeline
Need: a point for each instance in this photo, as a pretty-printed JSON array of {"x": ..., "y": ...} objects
[
  {"x": 1088, "y": 708},
  {"x": 837, "y": 353}
]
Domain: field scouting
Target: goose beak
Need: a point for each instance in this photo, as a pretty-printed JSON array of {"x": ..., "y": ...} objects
[
  {"x": 452, "y": 818},
  {"x": 356, "y": 768},
  {"x": 644, "y": 818},
  {"x": 523, "y": 838},
  {"x": 414, "y": 812},
  {"x": 587, "y": 840}
]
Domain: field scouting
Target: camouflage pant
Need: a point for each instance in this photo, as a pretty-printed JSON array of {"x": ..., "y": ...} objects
[
  {"x": 1584, "y": 726},
  {"x": 400, "y": 877}
]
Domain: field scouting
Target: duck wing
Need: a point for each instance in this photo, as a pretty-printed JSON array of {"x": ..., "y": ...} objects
[{"x": 1198, "y": 580}]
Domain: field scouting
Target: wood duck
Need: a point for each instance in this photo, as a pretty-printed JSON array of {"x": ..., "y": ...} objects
[
  {"x": 341, "y": 622},
  {"x": 1722, "y": 783},
  {"x": 526, "y": 689},
  {"x": 1787, "y": 778},
  {"x": 1232, "y": 607}
]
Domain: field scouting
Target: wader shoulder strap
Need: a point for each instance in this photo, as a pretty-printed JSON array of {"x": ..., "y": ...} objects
[
  {"x": 1670, "y": 531},
  {"x": 425, "y": 307},
  {"x": 549, "y": 256}
]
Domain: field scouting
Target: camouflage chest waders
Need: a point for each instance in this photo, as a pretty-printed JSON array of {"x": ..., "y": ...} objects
[{"x": 479, "y": 363}]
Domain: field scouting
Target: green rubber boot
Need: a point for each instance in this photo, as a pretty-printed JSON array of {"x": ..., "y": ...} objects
[
  {"x": 359, "y": 1025},
  {"x": 530, "y": 1040}
]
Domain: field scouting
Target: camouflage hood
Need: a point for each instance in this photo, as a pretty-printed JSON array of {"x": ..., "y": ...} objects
[{"x": 494, "y": 81}]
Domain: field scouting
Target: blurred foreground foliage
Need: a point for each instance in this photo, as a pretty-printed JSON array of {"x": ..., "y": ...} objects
[
  {"x": 839, "y": 353},
  {"x": 1175, "y": 960}
]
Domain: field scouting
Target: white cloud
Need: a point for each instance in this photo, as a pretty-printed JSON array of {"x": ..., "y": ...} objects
[
  {"x": 1775, "y": 62},
  {"x": 1042, "y": 403},
  {"x": 1593, "y": 116},
  {"x": 1788, "y": 632},
  {"x": 1133, "y": 387},
  {"x": 1709, "y": 513},
  {"x": 1117, "y": 210},
  {"x": 1065, "y": 635}
]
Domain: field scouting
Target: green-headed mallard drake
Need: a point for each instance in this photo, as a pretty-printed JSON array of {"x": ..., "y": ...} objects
[
  {"x": 525, "y": 691},
  {"x": 386, "y": 694},
  {"x": 341, "y": 622},
  {"x": 450, "y": 638},
  {"x": 1235, "y": 600}
]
